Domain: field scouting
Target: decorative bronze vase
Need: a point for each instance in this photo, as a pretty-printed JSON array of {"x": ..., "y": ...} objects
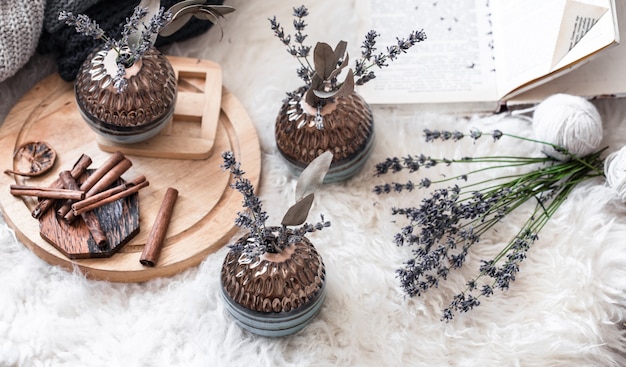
[
  {"x": 348, "y": 132},
  {"x": 135, "y": 114},
  {"x": 274, "y": 294}
]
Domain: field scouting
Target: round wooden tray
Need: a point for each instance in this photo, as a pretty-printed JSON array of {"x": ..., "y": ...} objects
[{"x": 203, "y": 217}]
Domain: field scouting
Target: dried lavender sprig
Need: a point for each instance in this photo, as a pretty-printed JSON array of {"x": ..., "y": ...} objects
[
  {"x": 443, "y": 135},
  {"x": 414, "y": 163},
  {"x": 497, "y": 134},
  {"x": 84, "y": 25},
  {"x": 299, "y": 25},
  {"x": 132, "y": 24},
  {"x": 279, "y": 31},
  {"x": 300, "y": 51},
  {"x": 120, "y": 83},
  {"x": 369, "y": 45},
  {"x": 148, "y": 35},
  {"x": 254, "y": 219},
  {"x": 369, "y": 58}
]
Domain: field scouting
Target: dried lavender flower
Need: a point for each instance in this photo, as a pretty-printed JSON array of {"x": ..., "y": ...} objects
[
  {"x": 300, "y": 11},
  {"x": 83, "y": 25},
  {"x": 132, "y": 23},
  {"x": 380, "y": 60}
]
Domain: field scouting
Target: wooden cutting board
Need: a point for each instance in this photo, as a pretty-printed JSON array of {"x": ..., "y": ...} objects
[{"x": 203, "y": 217}]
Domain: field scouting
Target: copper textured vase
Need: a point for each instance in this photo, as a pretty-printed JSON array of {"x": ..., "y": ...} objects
[
  {"x": 137, "y": 113},
  {"x": 274, "y": 294},
  {"x": 348, "y": 132}
]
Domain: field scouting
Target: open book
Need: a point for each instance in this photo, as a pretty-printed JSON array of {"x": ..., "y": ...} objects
[{"x": 495, "y": 52}]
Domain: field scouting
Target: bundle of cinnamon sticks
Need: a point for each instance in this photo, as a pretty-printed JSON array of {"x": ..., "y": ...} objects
[
  {"x": 96, "y": 190},
  {"x": 73, "y": 199}
]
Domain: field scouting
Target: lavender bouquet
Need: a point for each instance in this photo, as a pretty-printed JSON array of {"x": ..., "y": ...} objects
[{"x": 447, "y": 224}]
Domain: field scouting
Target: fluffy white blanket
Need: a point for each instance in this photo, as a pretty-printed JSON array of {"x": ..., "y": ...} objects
[{"x": 566, "y": 308}]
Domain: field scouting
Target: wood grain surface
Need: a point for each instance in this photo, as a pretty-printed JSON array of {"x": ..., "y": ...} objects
[{"x": 202, "y": 220}]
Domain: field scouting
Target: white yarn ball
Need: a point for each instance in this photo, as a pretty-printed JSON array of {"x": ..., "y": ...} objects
[
  {"x": 570, "y": 122},
  {"x": 615, "y": 172}
]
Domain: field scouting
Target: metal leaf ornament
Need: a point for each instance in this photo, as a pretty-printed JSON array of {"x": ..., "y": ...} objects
[
  {"x": 298, "y": 212},
  {"x": 326, "y": 59},
  {"x": 309, "y": 181},
  {"x": 328, "y": 64},
  {"x": 183, "y": 11}
]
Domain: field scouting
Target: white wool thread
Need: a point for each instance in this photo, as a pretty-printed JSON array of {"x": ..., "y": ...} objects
[
  {"x": 615, "y": 172},
  {"x": 570, "y": 122}
]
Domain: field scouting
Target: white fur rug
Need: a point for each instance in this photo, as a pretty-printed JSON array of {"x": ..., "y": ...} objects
[{"x": 566, "y": 308}]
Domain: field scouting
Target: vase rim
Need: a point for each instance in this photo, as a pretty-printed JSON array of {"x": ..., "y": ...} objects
[{"x": 279, "y": 257}]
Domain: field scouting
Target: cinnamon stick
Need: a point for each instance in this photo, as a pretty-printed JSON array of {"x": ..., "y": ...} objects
[
  {"x": 47, "y": 192},
  {"x": 105, "y": 181},
  {"x": 78, "y": 169},
  {"x": 109, "y": 178},
  {"x": 90, "y": 218},
  {"x": 95, "y": 176},
  {"x": 107, "y": 166},
  {"x": 152, "y": 249},
  {"x": 109, "y": 196}
]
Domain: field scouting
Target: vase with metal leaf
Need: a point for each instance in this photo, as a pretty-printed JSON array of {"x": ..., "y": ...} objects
[
  {"x": 273, "y": 279},
  {"x": 126, "y": 89},
  {"x": 326, "y": 113}
]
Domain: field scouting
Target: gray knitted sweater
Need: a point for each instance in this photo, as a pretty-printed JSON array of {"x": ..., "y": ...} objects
[
  {"x": 20, "y": 27},
  {"x": 27, "y": 26}
]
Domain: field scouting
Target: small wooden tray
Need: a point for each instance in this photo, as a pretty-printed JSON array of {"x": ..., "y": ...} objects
[{"x": 203, "y": 217}]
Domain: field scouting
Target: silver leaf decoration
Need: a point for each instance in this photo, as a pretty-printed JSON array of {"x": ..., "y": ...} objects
[
  {"x": 297, "y": 214},
  {"x": 313, "y": 175}
]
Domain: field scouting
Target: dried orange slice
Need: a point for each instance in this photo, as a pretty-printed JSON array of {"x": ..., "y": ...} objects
[{"x": 33, "y": 159}]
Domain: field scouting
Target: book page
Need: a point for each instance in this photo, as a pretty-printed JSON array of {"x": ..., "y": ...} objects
[
  {"x": 525, "y": 35},
  {"x": 603, "y": 75},
  {"x": 455, "y": 62},
  {"x": 578, "y": 20},
  {"x": 532, "y": 38}
]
